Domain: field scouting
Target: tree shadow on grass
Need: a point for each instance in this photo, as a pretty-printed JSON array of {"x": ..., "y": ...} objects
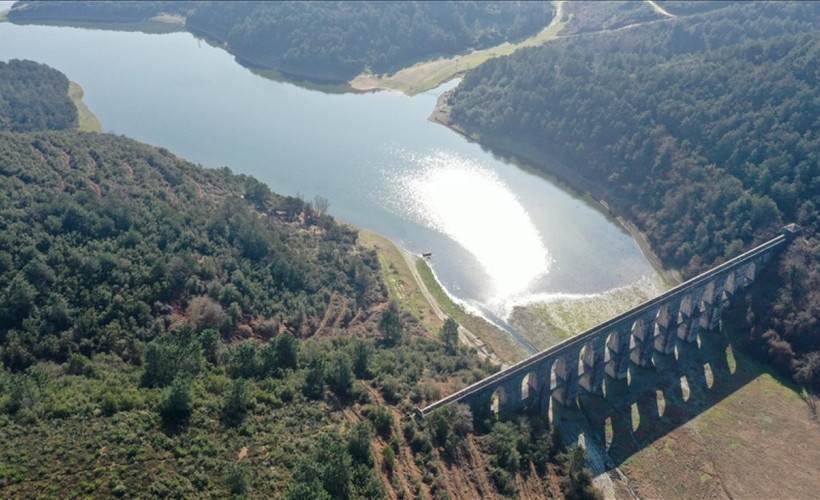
[{"x": 174, "y": 426}]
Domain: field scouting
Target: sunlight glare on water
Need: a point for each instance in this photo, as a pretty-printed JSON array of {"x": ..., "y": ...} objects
[{"x": 468, "y": 203}]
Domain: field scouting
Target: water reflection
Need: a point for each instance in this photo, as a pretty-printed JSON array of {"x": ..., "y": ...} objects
[
  {"x": 467, "y": 202},
  {"x": 501, "y": 236}
]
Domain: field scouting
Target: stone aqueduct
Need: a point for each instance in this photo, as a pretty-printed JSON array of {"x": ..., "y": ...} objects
[{"x": 581, "y": 362}]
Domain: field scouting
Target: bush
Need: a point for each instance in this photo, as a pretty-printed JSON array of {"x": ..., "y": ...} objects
[
  {"x": 390, "y": 325},
  {"x": 438, "y": 422},
  {"x": 504, "y": 441},
  {"x": 178, "y": 403},
  {"x": 420, "y": 442},
  {"x": 171, "y": 355},
  {"x": 78, "y": 364},
  {"x": 245, "y": 360},
  {"x": 287, "y": 350},
  {"x": 361, "y": 354},
  {"x": 109, "y": 403},
  {"x": 391, "y": 389},
  {"x": 388, "y": 460},
  {"x": 449, "y": 335},
  {"x": 205, "y": 313},
  {"x": 236, "y": 478},
  {"x": 237, "y": 400},
  {"x": 314, "y": 387},
  {"x": 504, "y": 482},
  {"x": 381, "y": 418},
  {"x": 359, "y": 443},
  {"x": 340, "y": 375},
  {"x": 212, "y": 346}
]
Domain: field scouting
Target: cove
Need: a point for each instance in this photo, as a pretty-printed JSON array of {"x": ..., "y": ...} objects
[{"x": 499, "y": 235}]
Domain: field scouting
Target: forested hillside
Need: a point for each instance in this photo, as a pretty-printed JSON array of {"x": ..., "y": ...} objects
[
  {"x": 172, "y": 331},
  {"x": 112, "y": 11},
  {"x": 331, "y": 41},
  {"x": 596, "y": 16},
  {"x": 34, "y": 97},
  {"x": 104, "y": 240},
  {"x": 702, "y": 129}
]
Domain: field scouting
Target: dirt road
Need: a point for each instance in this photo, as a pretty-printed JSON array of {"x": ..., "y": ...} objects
[{"x": 464, "y": 335}]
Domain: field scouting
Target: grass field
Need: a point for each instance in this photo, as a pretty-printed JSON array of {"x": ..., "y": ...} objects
[{"x": 88, "y": 121}]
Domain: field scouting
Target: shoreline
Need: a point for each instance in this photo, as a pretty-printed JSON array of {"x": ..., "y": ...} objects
[
  {"x": 546, "y": 164},
  {"x": 412, "y": 283},
  {"x": 87, "y": 121},
  {"x": 427, "y": 75}
]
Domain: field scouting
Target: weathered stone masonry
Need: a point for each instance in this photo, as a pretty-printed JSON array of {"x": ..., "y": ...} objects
[{"x": 580, "y": 363}]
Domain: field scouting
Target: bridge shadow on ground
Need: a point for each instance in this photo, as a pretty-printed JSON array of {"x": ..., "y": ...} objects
[{"x": 652, "y": 402}]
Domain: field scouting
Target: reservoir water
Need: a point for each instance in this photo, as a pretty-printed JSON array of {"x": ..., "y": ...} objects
[{"x": 499, "y": 235}]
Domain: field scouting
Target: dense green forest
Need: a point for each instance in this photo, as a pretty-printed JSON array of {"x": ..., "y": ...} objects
[
  {"x": 104, "y": 241},
  {"x": 34, "y": 97},
  {"x": 597, "y": 16},
  {"x": 702, "y": 129},
  {"x": 172, "y": 331},
  {"x": 329, "y": 41}
]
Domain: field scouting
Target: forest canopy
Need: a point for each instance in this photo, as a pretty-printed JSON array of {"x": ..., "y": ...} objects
[
  {"x": 703, "y": 129},
  {"x": 104, "y": 241},
  {"x": 34, "y": 96},
  {"x": 328, "y": 41}
]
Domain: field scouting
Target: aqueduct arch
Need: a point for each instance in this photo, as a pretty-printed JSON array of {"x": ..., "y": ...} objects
[{"x": 634, "y": 337}]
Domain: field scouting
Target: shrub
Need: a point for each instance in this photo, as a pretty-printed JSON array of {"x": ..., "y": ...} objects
[
  {"x": 178, "y": 403},
  {"x": 245, "y": 360},
  {"x": 205, "y": 313},
  {"x": 504, "y": 482},
  {"x": 420, "y": 442},
  {"x": 340, "y": 375},
  {"x": 237, "y": 401},
  {"x": 390, "y": 325},
  {"x": 388, "y": 460},
  {"x": 391, "y": 389},
  {"x": 236, "y": 478},
  {"x": 314, "y": 387},
  {"x": 78, "y": 364},
  {"x": 381, "y": 418},
  {"x": 359, "y": 443},
  {"x": 212, "y": 347},
  {"x": 171, "y": 355},
  {"x": 361, "y": 354}
]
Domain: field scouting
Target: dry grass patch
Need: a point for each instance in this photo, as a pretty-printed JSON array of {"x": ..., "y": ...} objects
[
  {"x": 741, "y": 433},
  {"x": 88, "y": 121}
]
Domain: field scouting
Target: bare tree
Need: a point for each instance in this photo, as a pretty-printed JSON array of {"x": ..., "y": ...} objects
[{"x": 321, "y": 204}]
